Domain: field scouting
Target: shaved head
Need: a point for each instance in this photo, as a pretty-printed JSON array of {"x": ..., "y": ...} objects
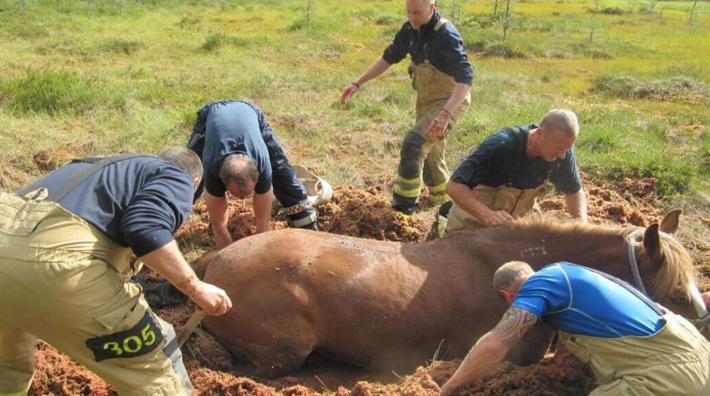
[
  {"x": 510, "y": 275},
  {"x": 419, "y": 12}
]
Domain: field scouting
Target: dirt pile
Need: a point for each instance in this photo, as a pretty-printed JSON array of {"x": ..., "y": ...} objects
[{"x": 366, "y": 213}]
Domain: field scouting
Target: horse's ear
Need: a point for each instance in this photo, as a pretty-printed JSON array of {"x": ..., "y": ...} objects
[
  {"x": 652, "y": 241},
  {"x": 669, "y": 224}
]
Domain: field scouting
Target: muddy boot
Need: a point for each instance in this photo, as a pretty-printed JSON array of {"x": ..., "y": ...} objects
[
  {"x": 403, "y": 205},
  {"x": 306, "y": 219},
  {"x": 438, "y": 228}
]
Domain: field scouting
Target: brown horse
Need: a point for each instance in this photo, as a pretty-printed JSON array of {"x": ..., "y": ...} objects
[{"x": 384, "y": 304}]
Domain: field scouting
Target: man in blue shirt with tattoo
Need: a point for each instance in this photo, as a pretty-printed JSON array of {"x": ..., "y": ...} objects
[
  {"x": 634, "y": 346},
  {"x": 442, "y": 76},
  {"x": 66, "y": 247}
]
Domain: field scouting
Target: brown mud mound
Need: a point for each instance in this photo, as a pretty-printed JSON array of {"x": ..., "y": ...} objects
[
  {"x": 625, "y": 202},
  {"x": 58, "y": 375},
  {"x": 366, "y": 213}
]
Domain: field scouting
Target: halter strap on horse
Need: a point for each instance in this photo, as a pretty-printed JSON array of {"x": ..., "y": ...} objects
[{"x": 632, "y": 240}]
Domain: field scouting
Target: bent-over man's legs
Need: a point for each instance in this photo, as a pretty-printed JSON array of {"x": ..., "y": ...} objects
[{"x": 288, "y": 188}]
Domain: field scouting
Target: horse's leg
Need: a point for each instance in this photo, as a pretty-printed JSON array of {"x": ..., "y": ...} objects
[
  {"x": 271, "y": 324},
  {"x": 285, "y": 353}
]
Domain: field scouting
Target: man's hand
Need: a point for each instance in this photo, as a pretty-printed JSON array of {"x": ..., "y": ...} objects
[
  {"x": 169, "y": 262},
  {"x": 438, "y": 125},
  {"x": 498, "y": 217},
  {"x": 349, "y": 91},
  {"x": 218, "y": 211},
  {"x": 210, "y": 299}
]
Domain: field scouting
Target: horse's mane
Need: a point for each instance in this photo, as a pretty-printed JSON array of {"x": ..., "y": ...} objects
[
  {"x": 547, "y": 225},
  {"x": 676, "y": 271},
  {"x": 557, "y": 226}
]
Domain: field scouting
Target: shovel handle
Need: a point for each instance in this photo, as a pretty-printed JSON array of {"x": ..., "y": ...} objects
[{"x": 189, "y": 327}]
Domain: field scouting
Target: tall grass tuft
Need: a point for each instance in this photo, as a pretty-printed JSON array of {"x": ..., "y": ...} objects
[
  {"x": 120, "y": 46},
  {"x": 56, "y": 92},
  {"x": 673, "y": 89},
  {"x": 213, "y": 42}
]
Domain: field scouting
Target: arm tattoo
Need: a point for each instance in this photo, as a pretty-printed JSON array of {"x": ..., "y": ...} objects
[{"x": 514, "y": 323}]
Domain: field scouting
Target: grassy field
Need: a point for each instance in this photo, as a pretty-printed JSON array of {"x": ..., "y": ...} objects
[{"x": 99, "y": 76}]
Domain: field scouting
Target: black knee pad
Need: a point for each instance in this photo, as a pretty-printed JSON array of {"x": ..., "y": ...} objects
[{"x": 409, "y": 154}]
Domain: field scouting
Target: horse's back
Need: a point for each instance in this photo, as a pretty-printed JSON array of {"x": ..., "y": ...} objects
[{"x": 357, "y": 300}]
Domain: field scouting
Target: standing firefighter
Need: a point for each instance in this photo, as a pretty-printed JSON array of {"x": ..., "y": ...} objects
[
  {"x": 241, "y": 155},
  {"x": 442, "y": 76},
  {"x": 65, "y": 263}
]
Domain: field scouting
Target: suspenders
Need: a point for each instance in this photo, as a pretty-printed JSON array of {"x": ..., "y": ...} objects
[{"x": 97, "y": 163}]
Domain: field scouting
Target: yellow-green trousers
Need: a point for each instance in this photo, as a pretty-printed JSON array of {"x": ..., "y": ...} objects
[
  {"x": 422, "y": 158},
  {"x": 676, "y": 361},
  {"x": 64, "y": 282},
  {"x": 518, "y": 202}
]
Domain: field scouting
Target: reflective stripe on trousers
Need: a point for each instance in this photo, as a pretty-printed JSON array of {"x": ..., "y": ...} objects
[{"x": 420, "y": 154}]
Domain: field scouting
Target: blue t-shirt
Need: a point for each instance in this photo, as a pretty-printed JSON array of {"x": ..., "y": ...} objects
[
  {"x": 579, "y": 300},
  {"x": 137, "y": 202},
  {"x": 442, "y": 48},
  {"x": 502, "y": 159},
  {"x": 234, "y": 127}
]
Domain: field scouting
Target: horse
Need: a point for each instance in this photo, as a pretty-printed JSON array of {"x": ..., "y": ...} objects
[{"x": 388, "y": 305}]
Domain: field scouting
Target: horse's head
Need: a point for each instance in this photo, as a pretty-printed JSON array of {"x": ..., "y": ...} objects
[{"x": 666, "y": 268}]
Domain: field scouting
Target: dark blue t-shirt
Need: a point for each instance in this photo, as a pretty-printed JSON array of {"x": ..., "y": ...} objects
[
  {"x": 233, "y": 127},
  {"x": 137, "y": 202},
  {"x": 578, "y": 300},
  {"x": 501, "y": 159},
  {"x": 443, "y": 49}
]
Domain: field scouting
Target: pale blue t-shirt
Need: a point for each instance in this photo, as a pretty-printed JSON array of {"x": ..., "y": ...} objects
[{"x": 580, "y": 300}]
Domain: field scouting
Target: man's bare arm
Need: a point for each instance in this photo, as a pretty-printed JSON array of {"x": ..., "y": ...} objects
[
  {"x": 218, "y": 211},
  {"x": 577, "y": 205},
  {"x": 484, "y": 358}
]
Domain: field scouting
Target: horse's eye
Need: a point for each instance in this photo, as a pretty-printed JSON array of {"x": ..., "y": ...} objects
[{"x": 678, "y": 297}]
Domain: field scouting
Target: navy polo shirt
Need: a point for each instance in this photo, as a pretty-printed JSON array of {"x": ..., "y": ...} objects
[
  {"x": 233, "y": 128},
  {"x": 137, "y": 202},
  {"x": 443, "y": 49},
  {"x": 501, "y": 159}
]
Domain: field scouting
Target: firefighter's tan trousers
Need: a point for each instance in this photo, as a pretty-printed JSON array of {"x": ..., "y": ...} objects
[
  {"x": 64, "y": 282},
  {"x": 673, "y": 362},
  {"x": 517, "y": 202},
  {"x": 422, "y": 158}
]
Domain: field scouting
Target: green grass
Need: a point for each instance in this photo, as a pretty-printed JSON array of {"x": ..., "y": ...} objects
[{"x": 129, "y": 75}]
